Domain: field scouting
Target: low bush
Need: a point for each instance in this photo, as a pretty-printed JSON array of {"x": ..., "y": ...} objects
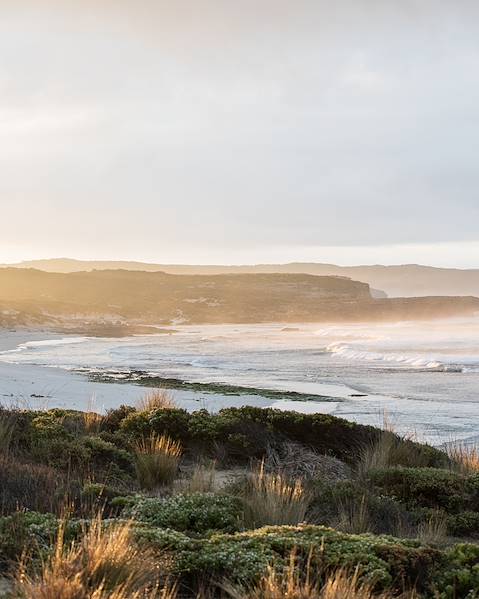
[
  {"x": 301, "y": 581},
  {"x": 247, "y": 432},
  {"x": 192, "y": 513},
  {"x": 429, "y": 487},
  {"x": 352, "y": 507},
  {"x": 384, "y": 562},
  {"x": 114, "y": 417},
  {"x": 459, "y": 576},
  {"x": 464, "y": 523},
  {"x": 25, "y": 530}
]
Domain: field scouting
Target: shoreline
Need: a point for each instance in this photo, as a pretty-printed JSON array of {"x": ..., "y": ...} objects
[
  {"x": 43, "y": 387},
  {"x": 28, "y": 385}
]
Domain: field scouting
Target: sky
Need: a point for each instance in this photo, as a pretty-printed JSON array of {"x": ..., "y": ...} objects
[{"x": 240, "y": 132}]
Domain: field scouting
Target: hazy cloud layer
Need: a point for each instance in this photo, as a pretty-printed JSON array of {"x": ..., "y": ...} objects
[{"x": 157, "y": 130}]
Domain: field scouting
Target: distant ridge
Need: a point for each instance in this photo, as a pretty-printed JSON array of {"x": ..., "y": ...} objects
[
  {"x": 127, "y": 297},
  {"x": 409, "y": 280}
]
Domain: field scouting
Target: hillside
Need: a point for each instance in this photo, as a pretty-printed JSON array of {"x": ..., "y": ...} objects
[
  {"x": 410, "y": 280},
  {"x": 272, "y": 504},
  {"x": 33, "y": 296}
]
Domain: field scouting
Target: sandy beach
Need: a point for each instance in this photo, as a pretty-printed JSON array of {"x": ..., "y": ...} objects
[{"x": 41, "y": 387}]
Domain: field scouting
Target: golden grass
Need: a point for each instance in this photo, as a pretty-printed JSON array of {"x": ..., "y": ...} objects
[
  {"x": 271, "y": 499},
  {"x": 299, "y": 581},
  {"x": 156, "y": 460},
  {"x": 158, "y": 399},
  {"x": 464, "y": 458},
  {"x": 105, "y": 563},
  {"x": 388, "y": 450},
  {"x": 92, "y": 421}
]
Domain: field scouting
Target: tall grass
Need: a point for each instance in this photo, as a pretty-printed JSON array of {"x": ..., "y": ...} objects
[
  {"x": 158, "y": 399},
  {"x": 7, "y": 427},
  {"x": 92, "y": 421},
  {"x": 105, "y": 563},
  {"x": 355, "y": 516},
  {"x": 202, "y": 480},
  {"x": 433, "y": 530},
  {"x": 464, "y": 458},
  {"x": 389, "y": 450},
  {"x": 271, "y": 499},
  {"x": 156, "y": 460},
  {"x": 30, "y": 486}
]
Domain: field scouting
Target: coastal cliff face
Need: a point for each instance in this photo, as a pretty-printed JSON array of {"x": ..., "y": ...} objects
[{"x": 32, "y": 296}]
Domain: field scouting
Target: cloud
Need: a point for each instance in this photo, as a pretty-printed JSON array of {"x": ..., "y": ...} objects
[{"x": 228, "y": 125}]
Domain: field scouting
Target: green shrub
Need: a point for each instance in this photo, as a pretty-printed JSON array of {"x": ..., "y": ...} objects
[
  {"x": 386, "y": 562},
  {"x": 246, "y": 432},
  {"x": 193, "y": 513},
  {"x": 332, "y": 502},
  {"x": 113, "y": 418},
  {"x": 459, "y": 576},
  {"x": 100, "y": 497},
  {"x": 104, "y": 453},
  {"x": 428, "y": 487},
  {"x": 465, "y": 523},
  {"x": 25, "y": 530},
  {"x": 57, "y": 423}
]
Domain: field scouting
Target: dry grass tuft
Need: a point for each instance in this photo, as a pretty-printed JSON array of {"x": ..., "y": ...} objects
[
  {"x": 105, "y": 563},
  {"x": 389, "y": 450},
  {"x": 464, "y": 458},
  {"x": 354, "y": 516},
  {"x": 92, "y": 421},
  {"x": 30, "y": 486},
  {"x": 271, "y": 499},
  {"x": 157, "y": 459},
  {"x": 158, "y": 399},
  {"x": 7, "y": 427},
  {"x": 434, "y": 530},
  {"x": 299, "y": 582},
  {"x": 202, "y": 480}
]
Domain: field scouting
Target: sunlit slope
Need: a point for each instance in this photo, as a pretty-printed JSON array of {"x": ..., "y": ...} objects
[
  {"x": 156, "y": 297},
  {"x": 409, "y": 280}
]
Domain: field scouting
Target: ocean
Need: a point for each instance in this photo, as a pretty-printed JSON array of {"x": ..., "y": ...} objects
[{"x": 422, "y": 378}]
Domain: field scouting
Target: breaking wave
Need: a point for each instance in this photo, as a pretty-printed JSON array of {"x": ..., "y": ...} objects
[{"x": 413, "y": 361}]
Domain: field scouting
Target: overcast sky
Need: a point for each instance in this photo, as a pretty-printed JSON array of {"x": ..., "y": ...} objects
[{"x": 234, "y": 131}]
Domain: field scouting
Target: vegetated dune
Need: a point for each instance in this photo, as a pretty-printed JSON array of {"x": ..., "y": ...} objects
[
  {"x": 261, "y": 503},
  {"x": 28, "y": 295},
  {"x": 408, "y": 280}
]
